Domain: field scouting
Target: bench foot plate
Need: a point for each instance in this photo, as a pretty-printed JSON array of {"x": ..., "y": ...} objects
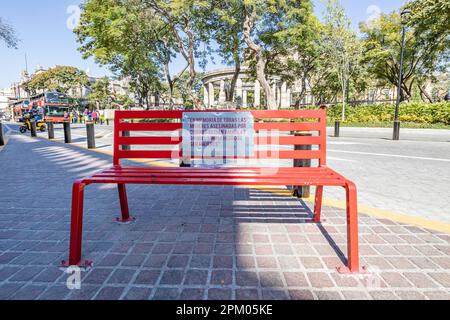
[
  {"x": 126, "y": 221},
  {"x": 345, "y": 270},
  {"x": 84, "y": 264}
]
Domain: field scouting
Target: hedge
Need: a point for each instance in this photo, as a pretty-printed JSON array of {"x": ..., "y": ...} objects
[{"x": 436, "y": 113}]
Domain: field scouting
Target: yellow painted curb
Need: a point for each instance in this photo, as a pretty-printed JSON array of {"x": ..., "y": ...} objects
[{"x": 391, "y": 215}]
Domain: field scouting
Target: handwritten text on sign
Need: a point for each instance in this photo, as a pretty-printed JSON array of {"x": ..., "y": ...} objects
[{"x": 213, "y": 137}]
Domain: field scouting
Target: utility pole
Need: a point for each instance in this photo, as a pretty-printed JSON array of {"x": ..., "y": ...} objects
[{"x": 396, "y": 135}]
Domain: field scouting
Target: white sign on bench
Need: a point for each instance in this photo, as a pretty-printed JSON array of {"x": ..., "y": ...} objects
[{"x": 215, "y": 138}]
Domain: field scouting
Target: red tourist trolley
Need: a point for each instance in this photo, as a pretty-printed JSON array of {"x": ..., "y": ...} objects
[
  {"x": 55, "y": 104},
  {"x": 19, "y": 108}
]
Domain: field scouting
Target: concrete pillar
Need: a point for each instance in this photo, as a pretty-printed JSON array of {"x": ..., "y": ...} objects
[
  {"x": 211, "y": 94},
  {"x": 222, "y": 95},
  {"x": 278, "y": 96},
  {"x": 283, "y": 96},
  {"x": 239, "y": 91},
  {"x": 288, "y": 98},
  {"x": 205, "y": 96},
  {"x": 275, "y": 91},
  {"x": 257, "y": 94},
  {"x": 244, "y": 99}
]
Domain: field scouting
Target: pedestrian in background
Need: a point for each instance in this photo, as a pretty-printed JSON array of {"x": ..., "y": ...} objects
[{"x": 95, "y": 116}]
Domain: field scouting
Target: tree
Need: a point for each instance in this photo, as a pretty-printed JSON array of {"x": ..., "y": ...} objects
[
  {"x": 186, "y": 20},
  {"x": 341, "y": 46},
  {"x": 226, "y": 26},
  {"x": 123, "y": 36},
  {"x": 60, "y": 78},
  {"x": 430, "y": 18},
  {"x": 303, "y": 56},
  {"x": 101, "y": 96},
  {"x": 8, "y": 35},
  {"x": 268, "y": 26},
  {"x": 430, "y": 21},
  {"x": 424, "y": 54}
]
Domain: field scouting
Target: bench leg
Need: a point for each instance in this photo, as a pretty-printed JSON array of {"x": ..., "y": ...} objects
[
  {"x": 352, "y": 227},
  {"x": 124, "y": 205},
  {"x": 76, "y": 227},
  {"x": 318, "y": 205}
]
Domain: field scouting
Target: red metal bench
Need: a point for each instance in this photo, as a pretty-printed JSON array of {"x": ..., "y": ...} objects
[{"x": 311, "y": 121}]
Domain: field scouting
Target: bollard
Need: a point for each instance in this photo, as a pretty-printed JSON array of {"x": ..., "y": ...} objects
[
  {"x": 33, "y": 128},
  {"x": 2, "y": 140},
  {"x": 302, "y": 191},
  {"x": 51, "y": 130},
  {"x": 107, "y": 122},
  {"x": 67, "y": 132},
  {"x": 396, "y": 135},
  {"x": 90, "y": 131},
  {"x": 126, "y": 147},
  {"x": 337, "y": 128}
]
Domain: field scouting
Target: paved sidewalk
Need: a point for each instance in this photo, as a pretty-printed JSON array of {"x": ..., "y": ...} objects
[{"x": 194, "y": 242}]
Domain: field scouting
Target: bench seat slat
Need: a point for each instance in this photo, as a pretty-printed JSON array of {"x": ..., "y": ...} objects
[
  {"x": 284, "y": 176},
  {"x": 324, "y": 170},
  {"x": 218, "y": 170},
  {"x": 214, "y": 175},
  {"x": 282, "y": 181}
]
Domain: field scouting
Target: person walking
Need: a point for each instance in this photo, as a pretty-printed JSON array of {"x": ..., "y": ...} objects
[
  {"x": 95, "y": 116},
  {"x": 86, "y": 115}
]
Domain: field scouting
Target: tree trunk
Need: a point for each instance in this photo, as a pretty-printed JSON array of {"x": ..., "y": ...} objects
[
  {"x": 170, "y": 83},
  {"x": 343, "y": 100},
  {"x": 156, "y": 99},
  {"x": 148, "y": 101},
  {"x": 261, "y": 61},
  {"x": 192, "y": 73},
  {"x": 424, "y": 93},
  {"x": 237, "y": 72}
]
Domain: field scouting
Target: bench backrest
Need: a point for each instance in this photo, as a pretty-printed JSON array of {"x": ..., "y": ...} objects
[{"x": 161, "y": 134}]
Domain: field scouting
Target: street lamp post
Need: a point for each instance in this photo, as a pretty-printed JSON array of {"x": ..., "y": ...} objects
[{"x": 396, "y": 135}]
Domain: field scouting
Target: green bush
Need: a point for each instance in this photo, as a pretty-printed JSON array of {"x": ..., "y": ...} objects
[{"x": 422, "y": 113}]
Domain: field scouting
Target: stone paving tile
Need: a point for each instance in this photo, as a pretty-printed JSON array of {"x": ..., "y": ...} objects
[
  {"x": 198, "y": 242},
  {"x": 137, "y": 293}
]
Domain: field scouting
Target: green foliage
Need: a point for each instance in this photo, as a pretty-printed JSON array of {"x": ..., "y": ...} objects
[
  {"x": 423, "y": 56},
  {"x": 100, "y": 96},
  {"x": 421, "y": 113},
  {"x": 139, "y": 39},
  {"x": 121, "y": 35},
  {"x": 8, "y": 35},
  {"x": 430, "y": 18},
  {"x": 59, "y": 78}
]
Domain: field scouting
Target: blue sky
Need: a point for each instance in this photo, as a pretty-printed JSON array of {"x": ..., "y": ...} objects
[{"x": 42, "y": 26}]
